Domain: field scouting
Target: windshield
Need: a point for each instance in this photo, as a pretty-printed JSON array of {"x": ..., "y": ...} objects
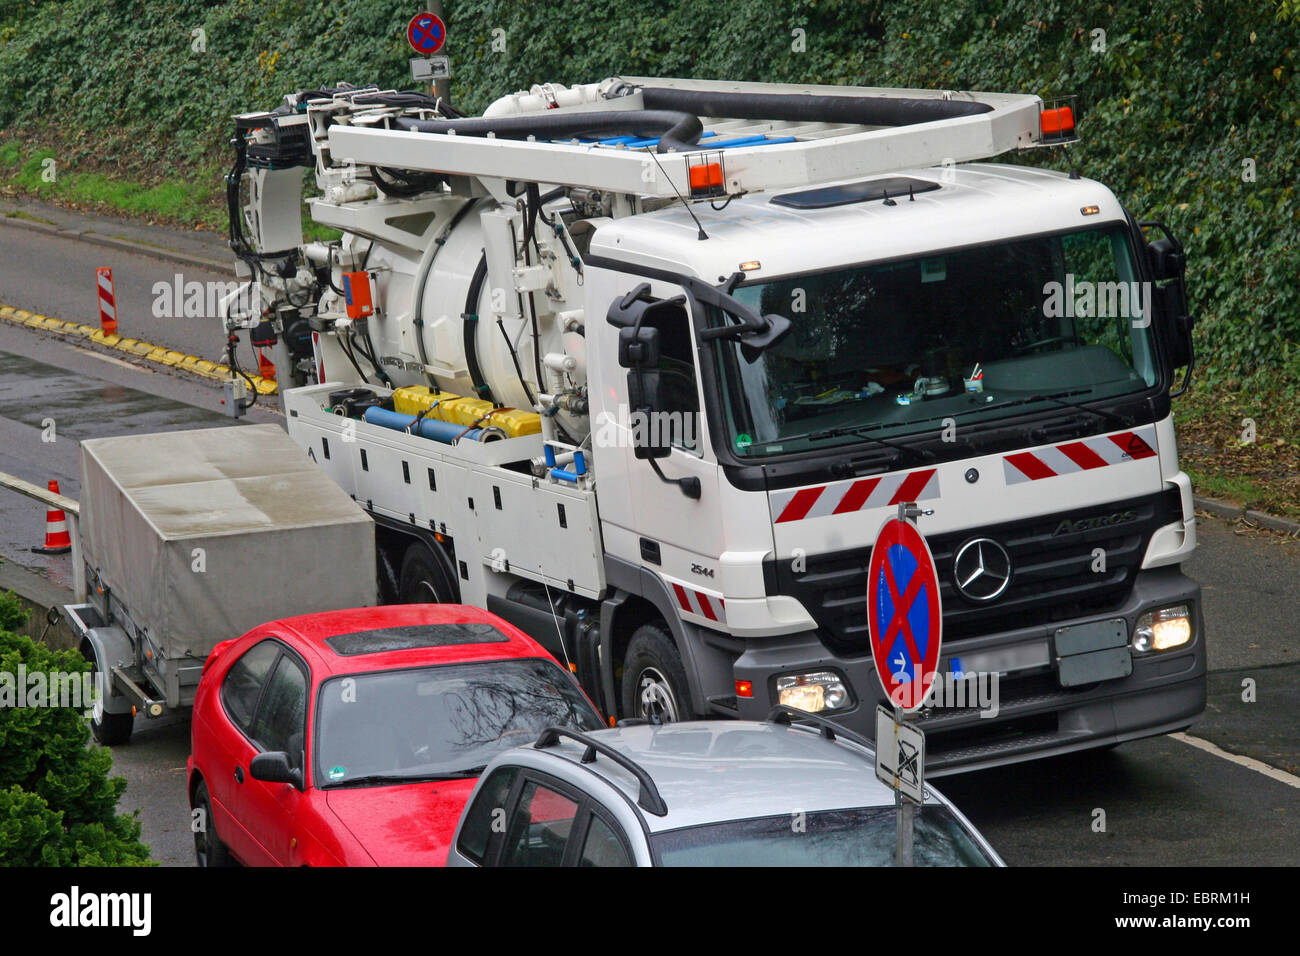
[
  {"x": 862, "y": 837},
  {"x": 443, "y": 721},
  {"x": 893, "y": 349}
]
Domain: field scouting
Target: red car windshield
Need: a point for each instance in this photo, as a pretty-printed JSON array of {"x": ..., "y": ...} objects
[{"x": 439, "y": 722}]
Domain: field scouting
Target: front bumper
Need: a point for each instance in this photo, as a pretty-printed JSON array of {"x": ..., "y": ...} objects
[{"x": 1035, "y": 716}]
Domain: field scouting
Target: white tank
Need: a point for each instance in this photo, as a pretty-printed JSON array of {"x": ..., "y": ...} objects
[{"x": 450, "y": 267}]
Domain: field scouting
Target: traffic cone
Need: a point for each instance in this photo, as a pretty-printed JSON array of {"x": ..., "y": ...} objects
[
  {"x": 57, "y": 539},
  {"x": 265, "y": 367}
]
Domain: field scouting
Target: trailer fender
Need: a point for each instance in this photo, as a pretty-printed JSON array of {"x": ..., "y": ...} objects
[{"x": 111, "y": 647}]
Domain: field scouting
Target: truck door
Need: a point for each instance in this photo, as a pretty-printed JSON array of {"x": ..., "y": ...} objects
[{"x": 684, "y": 531}]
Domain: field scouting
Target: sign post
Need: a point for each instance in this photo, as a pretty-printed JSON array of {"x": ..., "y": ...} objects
[
  {"x": 905, "y": 620},
  {"x": 426, "y": 33}
]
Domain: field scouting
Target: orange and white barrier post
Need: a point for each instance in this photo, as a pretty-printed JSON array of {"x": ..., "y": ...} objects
[{"x": 107, "y": 300}]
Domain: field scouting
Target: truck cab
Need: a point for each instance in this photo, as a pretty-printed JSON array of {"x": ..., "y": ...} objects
[{"x": 981, "y": 339}]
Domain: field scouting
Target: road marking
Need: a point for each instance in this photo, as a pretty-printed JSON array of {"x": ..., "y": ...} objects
[
  {"x": 108, "y": 358},
  {"x": 157, "y": 354},
  {"x": 1249, "y": 762}
]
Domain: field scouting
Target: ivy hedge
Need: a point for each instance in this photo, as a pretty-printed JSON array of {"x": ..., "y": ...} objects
[{"x": 1190, "y": 108}]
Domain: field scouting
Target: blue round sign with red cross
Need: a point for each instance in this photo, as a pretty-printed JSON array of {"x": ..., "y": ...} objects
[
  {"x": 903, "y": 613},
  {"x": 426, "y": 33}
]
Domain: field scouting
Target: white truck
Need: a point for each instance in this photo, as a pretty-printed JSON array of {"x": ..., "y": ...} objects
[{"x": 641, "y": 366}]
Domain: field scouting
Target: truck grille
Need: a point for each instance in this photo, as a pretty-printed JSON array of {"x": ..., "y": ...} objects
[{"x": 1052, "y": 577}]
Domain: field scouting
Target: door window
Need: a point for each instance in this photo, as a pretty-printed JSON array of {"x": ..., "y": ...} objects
[
  {"x": 487, "y": 816},
  {"x": 281, "y": 720},
  {"x": 540, "y": 828},
  {"x": 244, "y": 681},
  {"x": 602, "y": 847}
]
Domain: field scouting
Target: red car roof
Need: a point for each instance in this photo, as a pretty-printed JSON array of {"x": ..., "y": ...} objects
[{"x": 313, "y": 630}]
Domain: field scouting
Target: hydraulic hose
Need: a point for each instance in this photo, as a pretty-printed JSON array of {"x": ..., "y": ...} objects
[
  {"x": 809, "y": 107},
  {"x": 469, "y": 321},
  {"x": 677, "y": 131}
]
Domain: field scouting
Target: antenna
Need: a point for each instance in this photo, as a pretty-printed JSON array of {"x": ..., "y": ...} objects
[{"x": 668, "y": 179}]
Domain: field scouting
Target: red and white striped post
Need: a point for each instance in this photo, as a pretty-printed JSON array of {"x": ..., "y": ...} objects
[{"x": 107, "y": 301}]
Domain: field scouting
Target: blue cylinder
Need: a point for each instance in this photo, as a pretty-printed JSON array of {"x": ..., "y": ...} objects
[{"x": 445, "y": 432}]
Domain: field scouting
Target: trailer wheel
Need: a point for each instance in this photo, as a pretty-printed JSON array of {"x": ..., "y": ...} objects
[
  {"x": 654, "y": 680},
  {"x": 109, "y": 729},
  {"x": 426, "y": 578},
  {"x": 208, "y": 848}
]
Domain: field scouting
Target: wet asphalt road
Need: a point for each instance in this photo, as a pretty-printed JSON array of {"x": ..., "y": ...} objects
[{"x": 1166, "y": 802}]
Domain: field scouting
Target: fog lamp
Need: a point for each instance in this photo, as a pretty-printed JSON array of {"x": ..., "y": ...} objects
[
  {"x": 813, "y": 692},
  {"x": 1163, "y": 629}
]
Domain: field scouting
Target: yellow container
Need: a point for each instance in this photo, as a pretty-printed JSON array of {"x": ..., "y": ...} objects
[
  {"x": 516, "y": 422},
  {"x": 462, "y": 410},
  {"x": 414, "y": 399}
]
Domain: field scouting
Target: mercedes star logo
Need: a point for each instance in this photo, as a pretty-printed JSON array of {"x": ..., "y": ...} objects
[{"x": 982, "y": 569}]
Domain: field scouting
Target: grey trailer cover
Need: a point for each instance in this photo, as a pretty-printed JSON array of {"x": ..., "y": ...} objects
[{"x": 206, "y": 533}]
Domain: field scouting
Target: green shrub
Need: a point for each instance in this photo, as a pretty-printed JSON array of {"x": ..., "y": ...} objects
[{"x": 58, "y": 803}]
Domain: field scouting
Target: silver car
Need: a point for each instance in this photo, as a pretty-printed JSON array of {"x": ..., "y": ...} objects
[{"x": 789, "y": 791}]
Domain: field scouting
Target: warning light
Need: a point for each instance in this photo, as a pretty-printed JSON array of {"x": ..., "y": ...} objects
[
  {"x": 750, "y": 266},
  {"x": 744, "y": 688},
  {"x": 1090, "y": 210},
  {"x": 706, "y": 179},
  {"x": 1058, "y": 122}
]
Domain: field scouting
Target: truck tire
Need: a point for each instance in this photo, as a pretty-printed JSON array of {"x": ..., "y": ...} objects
[
  {"x": 208, "y": 848},
  {"x": 110, "y": 730},
  {"x": 426, "y": 578},
  {"x": 654, "y": 680}
]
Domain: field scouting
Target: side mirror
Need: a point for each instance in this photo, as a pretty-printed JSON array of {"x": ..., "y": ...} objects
[
  {"x": 1167, "y": 259},
  {"x": 645, "y": 396},
  {"x": 273, "y": 767},
  {"x": 638, "y": 348}
]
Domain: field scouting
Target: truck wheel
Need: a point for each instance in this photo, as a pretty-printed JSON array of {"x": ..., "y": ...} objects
[
  {"x": 426, "y": 578},
  {"x": 109, "y": 729},
  {"x": 654, "y": 680},
  {"x": 208, "y": 848}
]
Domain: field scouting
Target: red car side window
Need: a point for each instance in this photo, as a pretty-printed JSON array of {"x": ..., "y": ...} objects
[{"x": 243, "y": 684}]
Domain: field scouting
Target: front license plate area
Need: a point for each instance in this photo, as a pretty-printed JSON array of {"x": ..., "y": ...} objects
[{"x": 1093, "y": 652}]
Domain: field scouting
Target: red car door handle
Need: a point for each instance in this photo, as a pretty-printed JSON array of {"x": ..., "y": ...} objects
[{"x": 239, "y": 774}]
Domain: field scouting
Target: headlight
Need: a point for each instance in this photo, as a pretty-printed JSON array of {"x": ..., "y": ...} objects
[
  {"x": 814, "y": 692},
  {"x": 1163, "y": 629}
]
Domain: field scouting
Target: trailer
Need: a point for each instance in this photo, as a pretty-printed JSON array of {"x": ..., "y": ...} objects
[
  {"x": 183, "y": 534},
  {"x": 642, "y": 365}
]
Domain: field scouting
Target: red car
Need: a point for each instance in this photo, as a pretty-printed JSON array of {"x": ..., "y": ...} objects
[{"x": 355, "y": 737}]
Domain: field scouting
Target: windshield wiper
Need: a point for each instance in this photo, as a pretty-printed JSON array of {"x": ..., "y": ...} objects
[
  {"x": 860, "y": 431},
  {"x": 407, "y": 777},
  {"x": 1054, "y": 399},
  {"x": 1100, "y": 413}
]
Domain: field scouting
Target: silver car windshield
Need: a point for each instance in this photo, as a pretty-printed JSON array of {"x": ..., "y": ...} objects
[
  {"x": 893, "y": 349},
  {"x": 865, "y": 836}
]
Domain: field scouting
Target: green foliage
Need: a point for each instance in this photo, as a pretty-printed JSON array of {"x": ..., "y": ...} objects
[
  {"x": 58, "y": 804},
  {"x": 1182, "y": 95},
  {"x": 12, "y": 613}
]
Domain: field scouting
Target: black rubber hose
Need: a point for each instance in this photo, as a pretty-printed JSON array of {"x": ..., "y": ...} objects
[
  {"x": 471, "y": 328},
  {"x": 809, "y": 107},
  {"x": 677, "y": 131}
]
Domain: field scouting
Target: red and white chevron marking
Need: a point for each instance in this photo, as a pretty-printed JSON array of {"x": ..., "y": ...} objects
[
  {"x": 1084, "y": 455},
  {"x": 697, "y": 602},
  {"x": 107, "y": 301},
  {"x": 844, "y": 497}
]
